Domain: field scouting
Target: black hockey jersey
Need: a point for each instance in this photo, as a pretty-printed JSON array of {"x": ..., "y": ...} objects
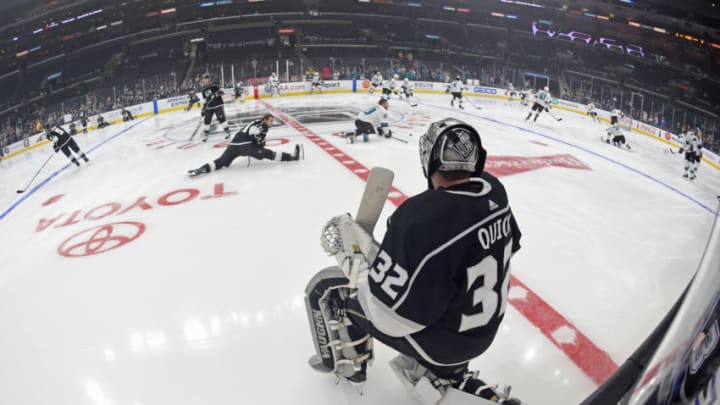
[
  {"x": 252, "y": 133},
  {"x": 213, "y": 96},
  {"x": 441, "y": 278},
  {"x": 58, "y": 136}
]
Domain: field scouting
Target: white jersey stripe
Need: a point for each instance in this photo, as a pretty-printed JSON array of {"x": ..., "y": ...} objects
[{"x": 443, "y": 247}]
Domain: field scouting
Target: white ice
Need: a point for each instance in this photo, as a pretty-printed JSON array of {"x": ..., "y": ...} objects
[{"x": 206, "y": 306}]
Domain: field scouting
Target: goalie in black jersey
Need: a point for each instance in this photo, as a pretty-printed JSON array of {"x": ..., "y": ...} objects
[
  {"x": 63, "y": 141},
  {"x": 435, "y": 289},
  {"x": 212, "y": 93},
  {"x": 249, "y": 141}
]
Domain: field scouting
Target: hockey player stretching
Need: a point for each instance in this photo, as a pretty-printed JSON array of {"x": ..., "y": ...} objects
[
  {"x": 372, "y": 121},
  {"x": 456, "y": 88},
  {"x": 212, "y": 93},
  {"x": 542, "y": 102},
  {"x": 435, "y": 289},
  {"x": 693, "y": 153},
  {"x": 614, "y": 134},
  {"x": 249, "y": 141}
]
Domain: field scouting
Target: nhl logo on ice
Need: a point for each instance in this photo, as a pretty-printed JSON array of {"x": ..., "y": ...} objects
[{"x": 101, "y": 238}]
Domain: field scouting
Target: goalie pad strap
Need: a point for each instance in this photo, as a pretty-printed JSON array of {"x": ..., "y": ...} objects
[{"x": 335, "y": 338}]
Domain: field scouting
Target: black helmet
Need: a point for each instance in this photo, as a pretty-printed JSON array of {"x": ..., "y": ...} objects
[{"x": 451, "y": 145}]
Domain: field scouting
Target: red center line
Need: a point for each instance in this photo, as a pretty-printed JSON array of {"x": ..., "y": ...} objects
[{"x": 587, "y": 356}]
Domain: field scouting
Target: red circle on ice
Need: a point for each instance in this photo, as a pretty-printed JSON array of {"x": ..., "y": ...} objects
[{"x": 101, "y": 238}]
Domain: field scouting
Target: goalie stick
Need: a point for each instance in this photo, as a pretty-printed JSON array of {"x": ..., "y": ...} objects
[
  {"x": 373, "y": 198},
  {"x": 322, "y": 325}
]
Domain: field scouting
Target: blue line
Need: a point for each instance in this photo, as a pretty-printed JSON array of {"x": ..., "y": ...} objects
[
  {"x": 47, "y": 180},
  {"x": 632, "y": 169}
]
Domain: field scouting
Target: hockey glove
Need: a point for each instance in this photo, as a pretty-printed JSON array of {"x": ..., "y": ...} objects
[
  {"x": 56, "y": 148},
  {"x": 353, "y": 248},
  {"x": 681, "y": 150}
]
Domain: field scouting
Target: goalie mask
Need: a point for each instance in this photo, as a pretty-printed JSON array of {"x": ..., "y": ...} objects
[{"x": 451, "y": 145}]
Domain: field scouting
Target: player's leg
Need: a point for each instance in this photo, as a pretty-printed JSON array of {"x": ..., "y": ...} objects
[
  {"x": 689, "y": 160},
  {"x": 428, "y": 382},
  {"x": 220, "y": 113},
  {"x": 264, "y": 153},
  {"x": 694, "y": 166},
  {"x": 75, "y": 148},
  {"x": 66, "y": 151},
  {"x": 207, "y": 119}
]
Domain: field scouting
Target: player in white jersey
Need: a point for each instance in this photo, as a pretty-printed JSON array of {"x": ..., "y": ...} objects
[
  {"x": 395, "y": 85},
  {"x": 511, "y": 91},
  {"x": 374, "y": 120},
  {"x": 273, "y": 85},
  {"x": 375, "y": 82},
  {"x": 592, "y": 113},
  {"x": 407, "y": 89},
  {"x": 615, "y": 136},
  {"x": 542, "y": 103},
  {"x": 692, "y": 147},
  {"x": 456, "y": 88},
  {"x": 615, "y": 116},
  {"x": 316, "y": 83},
  {"x": 524, "y": 97}
]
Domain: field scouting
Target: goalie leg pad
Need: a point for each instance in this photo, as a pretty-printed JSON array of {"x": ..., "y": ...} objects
[{"x": 341, "y": 347}]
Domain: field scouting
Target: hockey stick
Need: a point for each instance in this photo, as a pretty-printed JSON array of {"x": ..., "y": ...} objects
[
  {"x": 196, "y": 128},
  {"x": 412, "y": 103},
  {"x": 473, "y": 104},
  {"x": 552, "y": 115},
  {"x": 398, "y": 139},
  {"x": 36, "y": 174}
]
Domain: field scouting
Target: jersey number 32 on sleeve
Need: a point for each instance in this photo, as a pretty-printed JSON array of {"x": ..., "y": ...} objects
[{"x": 488, "y": 269}]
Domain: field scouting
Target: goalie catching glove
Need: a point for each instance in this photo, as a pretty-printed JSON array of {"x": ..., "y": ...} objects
[{"x": 353, "y": 248}]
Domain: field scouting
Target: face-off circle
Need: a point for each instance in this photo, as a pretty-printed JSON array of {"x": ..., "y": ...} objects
[{"x": 101, "y": 239}]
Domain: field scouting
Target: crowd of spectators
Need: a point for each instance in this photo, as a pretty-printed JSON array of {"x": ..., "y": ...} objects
[{"x": 29, "y": 120}]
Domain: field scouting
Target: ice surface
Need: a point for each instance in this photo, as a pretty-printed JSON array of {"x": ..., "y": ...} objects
[{"x": 200, "y": 300}]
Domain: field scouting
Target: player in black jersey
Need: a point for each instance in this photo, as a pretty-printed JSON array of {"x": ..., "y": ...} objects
[
  {"x": 63, "y": 141},
  {"x": 192, "y": 100},
  {"x": 83, "y": 121},
  {"x": 435, "y": 289},
  {"x": 212, "y": 93},
  {"x": 249, "y": 141},
  {"x": 127, "y": 115}
]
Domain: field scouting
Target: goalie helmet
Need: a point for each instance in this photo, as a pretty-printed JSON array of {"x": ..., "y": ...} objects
[{"x": 451, "y": 145}]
